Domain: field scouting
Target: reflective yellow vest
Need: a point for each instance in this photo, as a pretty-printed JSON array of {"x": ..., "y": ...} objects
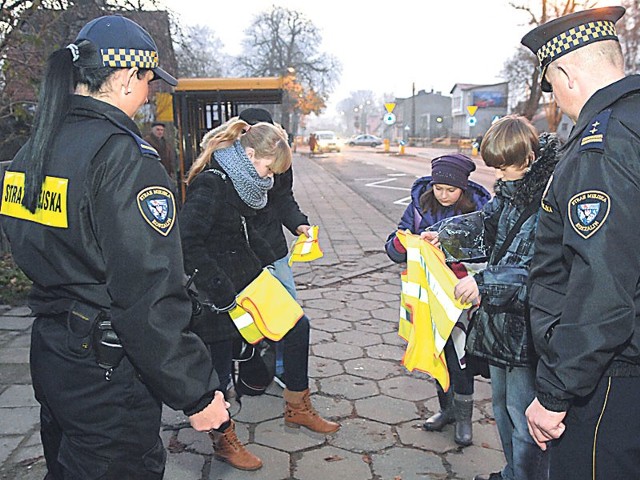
[
  {"x": 306, "y": 248},
  {"x": 428, "y": 308}
]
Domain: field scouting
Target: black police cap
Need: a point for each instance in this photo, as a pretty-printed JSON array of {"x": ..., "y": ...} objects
[
  {"x": 558, "y": 37},
  {"x": 123, "y": 43}
]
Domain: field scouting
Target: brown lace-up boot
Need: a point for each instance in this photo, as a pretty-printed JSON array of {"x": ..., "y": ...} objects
[
  {"x": 298, "y": 411},
  {"x": 228, "y": 448}
]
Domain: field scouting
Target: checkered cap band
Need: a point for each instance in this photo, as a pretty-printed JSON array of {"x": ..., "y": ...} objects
[
  {"x": 574, "y": 38},
  {"x": 127, "y": 58}
]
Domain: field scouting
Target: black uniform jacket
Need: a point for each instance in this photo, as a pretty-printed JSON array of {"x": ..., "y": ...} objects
[
  {"x": 219, "y": 241},
  {"x": 282, "y": 209},
  {"x": 584, "y": 281},
  {"x": 119, "y": 250}
]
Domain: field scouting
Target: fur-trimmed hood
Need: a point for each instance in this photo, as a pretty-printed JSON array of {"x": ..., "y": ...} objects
[{"x": 538, "y": 175}]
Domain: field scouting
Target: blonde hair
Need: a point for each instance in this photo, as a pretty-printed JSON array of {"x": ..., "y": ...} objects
[
  {"x": 510, "y": 141},
  {"x": 268, "y": 141},
  {"x": 207, "y": 136}
]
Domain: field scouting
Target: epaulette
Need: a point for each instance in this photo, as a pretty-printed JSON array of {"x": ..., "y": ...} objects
[
  {"x": 144, "y": 146},
  {"x": 594, "y": 135}
]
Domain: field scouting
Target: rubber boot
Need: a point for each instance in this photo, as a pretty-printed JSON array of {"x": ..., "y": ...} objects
[
  {"x": 228, "y": 448},
  {"x": 298, "y": 411},
  {"x": 445, "y": 416},
  {"x": 463, "y": 408}
]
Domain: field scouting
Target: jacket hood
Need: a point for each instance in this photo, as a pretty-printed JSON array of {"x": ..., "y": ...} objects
[{"x": 536, "y": 178}]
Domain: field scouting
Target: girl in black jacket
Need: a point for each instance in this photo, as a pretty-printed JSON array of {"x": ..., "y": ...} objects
[{"x": 226, "y": 184}]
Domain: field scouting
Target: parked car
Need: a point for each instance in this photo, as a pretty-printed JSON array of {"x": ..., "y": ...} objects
[
  {"x": 327, "y": 141},
  {"x": 366, "y": 140}
]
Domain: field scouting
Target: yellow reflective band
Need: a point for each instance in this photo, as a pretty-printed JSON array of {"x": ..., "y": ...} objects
[
  {"x": 52, "y": 204},
  {"x": 245, "y": 325}
]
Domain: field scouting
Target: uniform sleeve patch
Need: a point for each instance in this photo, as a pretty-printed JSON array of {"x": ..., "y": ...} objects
[
  {"x": 588, "y": 211},
  {"x": 594, "y": 135},
  {"x": 158, "y": 208}
]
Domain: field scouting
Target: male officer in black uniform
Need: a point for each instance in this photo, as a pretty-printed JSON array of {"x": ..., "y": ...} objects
[
  {"x": 88, "y": 210},
  {"x": 585, "y": 289}
]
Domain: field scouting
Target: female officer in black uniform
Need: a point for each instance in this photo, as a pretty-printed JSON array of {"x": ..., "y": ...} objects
[{"x": 90, "y": 215}]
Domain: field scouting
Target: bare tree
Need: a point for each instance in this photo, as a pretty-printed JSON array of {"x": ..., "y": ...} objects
[
  {"x": 522, "y": 70},
  {"x": 283, "y": 42},
  {"x": 199, "y": 53},
  {"x": 29, "y": 32},
  {"x": 629, "y": 33},
  {"x": 357, "y": 107}
]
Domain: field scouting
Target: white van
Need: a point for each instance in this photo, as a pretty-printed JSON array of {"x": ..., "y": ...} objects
[{"x": 327, "y": 141}]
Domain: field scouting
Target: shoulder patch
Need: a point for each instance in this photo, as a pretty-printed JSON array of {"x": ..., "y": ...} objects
[
  {"x": 588, "y": 211},
  {"x": 594, "y": 135},
  {"x": 158, "y": 208}
]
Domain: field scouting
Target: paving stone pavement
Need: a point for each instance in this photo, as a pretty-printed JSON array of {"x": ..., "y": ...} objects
[{"x": 351, "y": 298}]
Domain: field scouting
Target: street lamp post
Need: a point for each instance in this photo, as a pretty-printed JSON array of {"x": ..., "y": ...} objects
[{"x": 365, "y": 112}]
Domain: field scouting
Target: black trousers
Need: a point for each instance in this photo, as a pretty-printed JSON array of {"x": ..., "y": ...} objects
[
  {"x": 296, "y": 357},
  {"x": 92, "y": 428},
  {"x": 602, "y": 436},
  {"x": 461, "y": 378}
]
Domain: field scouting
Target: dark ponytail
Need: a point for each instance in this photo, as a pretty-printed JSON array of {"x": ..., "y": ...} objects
[
  {"x": 53, "y": 104},
  {"x": 60, "y": 79}
]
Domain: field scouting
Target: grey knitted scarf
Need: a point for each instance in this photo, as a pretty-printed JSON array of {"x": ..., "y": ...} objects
[{"x": 250, "y": 186}]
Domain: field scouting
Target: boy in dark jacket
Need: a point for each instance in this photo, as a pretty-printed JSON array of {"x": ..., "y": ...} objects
[{"x": 499, "y": 331}]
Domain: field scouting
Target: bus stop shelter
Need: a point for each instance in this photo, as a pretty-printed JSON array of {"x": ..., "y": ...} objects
[{"x": 201, "y": 104}]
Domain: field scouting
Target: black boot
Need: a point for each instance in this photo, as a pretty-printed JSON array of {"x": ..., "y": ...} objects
[
  {"x": 445, "y": 416},
  {"x": 463, "y": 408}
]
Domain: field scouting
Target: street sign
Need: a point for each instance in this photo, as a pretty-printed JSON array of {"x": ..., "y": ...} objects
[
  {"x": 389, "y": 107},
  {"x": 493, "y": 120},
  {"x": 389, "y": 118},
  {"x": 471, "y": 121},
  {"x": 472, "y": 109}
]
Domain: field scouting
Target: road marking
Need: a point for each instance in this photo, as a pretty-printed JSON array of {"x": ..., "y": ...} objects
[
  {"x": 379, "y": 183},
  {"x": 403, "y": 201}
]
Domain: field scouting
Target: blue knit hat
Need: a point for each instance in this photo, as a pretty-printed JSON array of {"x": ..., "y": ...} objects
[{"x": 453, "y": 169}]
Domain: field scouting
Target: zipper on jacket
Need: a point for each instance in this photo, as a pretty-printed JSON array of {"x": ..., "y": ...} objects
[{"x": 244, "y": 228}]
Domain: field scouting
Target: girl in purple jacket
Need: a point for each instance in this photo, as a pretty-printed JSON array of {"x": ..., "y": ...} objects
[{"x": 446, "y": 193}]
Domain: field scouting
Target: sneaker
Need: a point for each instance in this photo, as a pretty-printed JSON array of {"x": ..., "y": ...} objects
[
  {"x": 491, "y": 476},
  {"x": 279, "y": 381}
]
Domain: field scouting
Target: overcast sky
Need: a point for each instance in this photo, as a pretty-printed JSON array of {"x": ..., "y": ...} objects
[{"x": 388, "y": 45}]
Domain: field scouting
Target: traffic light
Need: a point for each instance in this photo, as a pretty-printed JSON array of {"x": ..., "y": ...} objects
[{"x": 439, "y": 119}]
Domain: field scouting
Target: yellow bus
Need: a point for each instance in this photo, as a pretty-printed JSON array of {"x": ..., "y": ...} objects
[{"x": 201, "y": 104}]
